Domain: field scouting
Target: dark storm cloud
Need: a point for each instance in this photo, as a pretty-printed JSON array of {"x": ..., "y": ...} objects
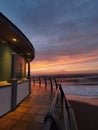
[{"x": 56, "y": 27}]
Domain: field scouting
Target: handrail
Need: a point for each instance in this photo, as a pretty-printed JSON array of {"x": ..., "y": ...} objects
[
  {"x": 65, "y": 117},
  {"x": 54, "y": 101},
  {"x": 68, "y": 115},
  {"x": 68, "y": 119},
  {"x": 50, "y": 117}
]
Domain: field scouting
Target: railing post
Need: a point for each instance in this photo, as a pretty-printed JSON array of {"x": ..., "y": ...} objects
[
  {"x": 33, "y": 80},
  {"x": 62, "y": 95},
  {"x": 39, "y": 81},
  {"x": 45, "y": 82},
  {"x": 51, "y": 84},
  {"x": 56, "y": 83}
]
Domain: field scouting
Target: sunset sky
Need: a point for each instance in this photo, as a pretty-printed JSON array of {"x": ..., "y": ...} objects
[{"x": 64, "y": 33}]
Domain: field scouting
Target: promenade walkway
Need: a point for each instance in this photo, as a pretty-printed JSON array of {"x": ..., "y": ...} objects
[{"x": 31, "y": 112}]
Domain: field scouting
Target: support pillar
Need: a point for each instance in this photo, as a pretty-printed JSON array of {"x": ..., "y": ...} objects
[
  {"x": 12, "y": 75},
  {"x": 14, "y": 95},
  {"x": 29, "y": 77},
  {"x": 28, "y": 70},
  {"x": 13, "y": 81}
]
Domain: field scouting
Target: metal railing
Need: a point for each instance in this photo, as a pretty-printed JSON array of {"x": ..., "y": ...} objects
[
  {"x": 60, "y": 115},
  {"x": 51, "y": 121},
  {"x": 69, "y": 122}
]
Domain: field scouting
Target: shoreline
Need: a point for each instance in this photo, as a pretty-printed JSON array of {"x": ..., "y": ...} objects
[
  {"x": 85, "y": 110},
  {"x": 84, "y": 99}
]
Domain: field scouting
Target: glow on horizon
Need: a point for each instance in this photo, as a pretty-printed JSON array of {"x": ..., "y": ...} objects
[
  {"x": 64, "y": 69},
  {"x": 63, "y": 65}
]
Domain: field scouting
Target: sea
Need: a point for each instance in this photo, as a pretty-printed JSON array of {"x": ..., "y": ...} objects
[{"x": 86, "y": 87}]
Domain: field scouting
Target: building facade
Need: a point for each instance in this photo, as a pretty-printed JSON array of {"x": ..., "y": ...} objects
[{"x": 16, "y": 52}]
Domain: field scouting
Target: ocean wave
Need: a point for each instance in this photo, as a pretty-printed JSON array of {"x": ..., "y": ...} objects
[{"x": 81, "y": 90}]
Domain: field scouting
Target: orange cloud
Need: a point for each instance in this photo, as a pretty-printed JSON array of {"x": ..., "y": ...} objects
[{"x": 64, "y": 64}]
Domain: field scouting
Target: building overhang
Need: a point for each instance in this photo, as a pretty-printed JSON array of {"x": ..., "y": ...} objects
[{"x": 10, "y": 34}]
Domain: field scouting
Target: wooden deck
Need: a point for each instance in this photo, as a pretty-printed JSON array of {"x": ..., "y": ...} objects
[{"x": 31, "y": 112}]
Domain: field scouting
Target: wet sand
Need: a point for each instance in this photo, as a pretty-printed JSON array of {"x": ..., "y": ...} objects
[{"x": 86, "y": 112}]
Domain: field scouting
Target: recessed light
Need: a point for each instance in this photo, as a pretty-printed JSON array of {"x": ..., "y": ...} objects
[
  {"x": 29, "y": 53},
  {"x": 14, "y": 39}
]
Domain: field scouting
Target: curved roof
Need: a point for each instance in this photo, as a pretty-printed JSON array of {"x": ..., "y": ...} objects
[{"x": 16, "y": 39}]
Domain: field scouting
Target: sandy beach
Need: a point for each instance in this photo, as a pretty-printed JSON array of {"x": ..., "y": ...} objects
[{"x": 86, "y": 111}]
